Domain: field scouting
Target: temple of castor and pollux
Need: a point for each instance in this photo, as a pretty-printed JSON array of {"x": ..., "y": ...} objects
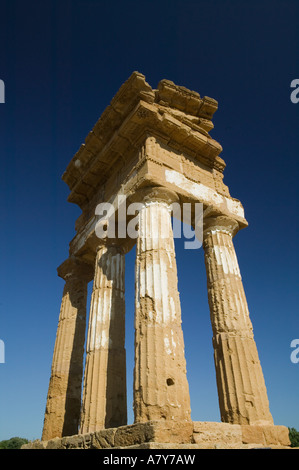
[{"x": 152, "y": 146}]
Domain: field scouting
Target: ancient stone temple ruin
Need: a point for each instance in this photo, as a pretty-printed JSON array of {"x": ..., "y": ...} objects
[{"x": 151, "y": 146}]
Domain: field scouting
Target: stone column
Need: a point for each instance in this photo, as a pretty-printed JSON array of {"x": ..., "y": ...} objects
[
  {"x": 64, "y": 394},
  {"x": 104, "y": 393},
  {"x": 160, "y": 383},
  {"x": 240, "y": 381}
]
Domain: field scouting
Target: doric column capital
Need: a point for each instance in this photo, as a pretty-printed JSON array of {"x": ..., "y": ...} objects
[
  {"x": 219, "y": 223},
  {"x": 113, "y": 244},
  {"x": 104, "y": 239},
  {"x": 156, "y": 194},
  {"x": 73, "y": 267}
]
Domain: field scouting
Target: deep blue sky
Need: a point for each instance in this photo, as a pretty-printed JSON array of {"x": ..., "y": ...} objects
[{"x": 62, "y": 62}]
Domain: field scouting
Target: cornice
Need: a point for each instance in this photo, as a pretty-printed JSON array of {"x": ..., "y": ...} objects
[{"x": 177, "y": 115}]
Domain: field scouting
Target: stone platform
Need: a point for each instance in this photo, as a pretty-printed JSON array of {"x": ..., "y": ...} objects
[{"x": 174, "y": 435}]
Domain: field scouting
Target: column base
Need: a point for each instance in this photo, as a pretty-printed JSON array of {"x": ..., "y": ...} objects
[{"x": 174, "y": 435}]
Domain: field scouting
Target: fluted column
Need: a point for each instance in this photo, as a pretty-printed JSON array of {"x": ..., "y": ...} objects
[
  {"x": 241, "y": 387},
  {"x": 160, "y": 383},
  {"x": 64, "y": 394},
  {"x": 104, "y": 393}
]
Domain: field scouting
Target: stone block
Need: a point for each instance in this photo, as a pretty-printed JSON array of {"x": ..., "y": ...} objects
[
  {"x": 252, "y": 434},
  {"x": 178, "y": 432},
  {"x": 277, "y": 435},
  {"x": 103, "y": 439},
  {"x": 73, "y": 442},
  {"x": 133, "y": 434},
  {"x": 37, "y": 444},
  {"x": 55, "y": 443},
  {"x": 166, "y": 434},
  {"x": 213, "y": 434},
  {"x": 163, "y": 445},
  {"x": 267, "y": 435}
]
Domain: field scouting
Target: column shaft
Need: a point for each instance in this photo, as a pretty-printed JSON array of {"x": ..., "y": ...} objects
[
  {"x": 160, "y": 383},
  {"x": 241, "y": 387},
  {"x": 104, "y": 393},
  {"x": 64, "y": 394}
]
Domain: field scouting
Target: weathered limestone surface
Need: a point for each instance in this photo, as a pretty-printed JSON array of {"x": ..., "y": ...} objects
[
  {"x": 174, "y": 435},
  {"x": 241, "y": 387},
  {"x": 64, "y": 395},
  {"x": 226, "y": 436},
  {"x": 104, "y": 393},
  {"x": 160, "y": 384},
  {"x": 152, "y": 146},
  {"x": 149, "y": 137}
]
